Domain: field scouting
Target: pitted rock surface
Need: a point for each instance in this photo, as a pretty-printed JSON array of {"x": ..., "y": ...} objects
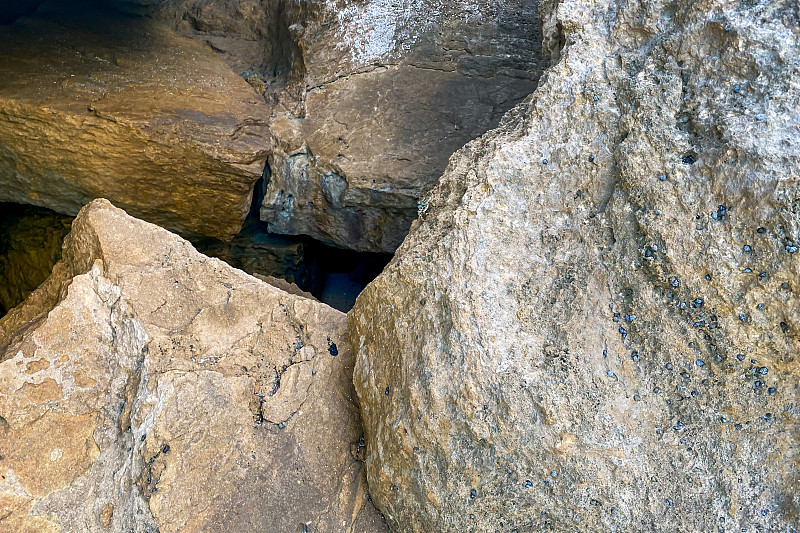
[{"x": 594, "y": 324}]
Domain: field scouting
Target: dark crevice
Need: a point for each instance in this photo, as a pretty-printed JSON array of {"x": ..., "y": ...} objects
[
  {"x": 30, "y": 245},
  {"x": 334, "y": 276}
]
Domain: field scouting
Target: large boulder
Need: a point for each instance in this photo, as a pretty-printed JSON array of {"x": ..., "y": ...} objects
[
  {"x": 388, "y": 92},
  {"x": 100, "y": 104},
  {"x": 145, "y": 387},
  {"x": 595, "y": 323}
]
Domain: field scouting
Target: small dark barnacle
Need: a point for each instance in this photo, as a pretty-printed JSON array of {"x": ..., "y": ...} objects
[
  {"x": 605, "y": 353},
  {"x": 791, "y": 248},
  {"x": 747, "y": 248},
  {"x": 663, "y": 177},
  {"x": 720, "y": 213},
  {"x": 473, "y": 494},
  {"x": 670, "y": 502},
  {"x": 767, "y": 416},
  {"x": 635, "y": 356},
  {"x": 687, "y": 159},
  {"x": 609, "y": 373},
  {"x": 669, "y": 366},
  {"x": 771, "y": 390},
  {"x": 760, "y": 307},
  {"x": 763, "y": 371},
  {"x": 698, "y": 302},
  {"x": 630, "y": 318},
  {"x": 165, "y": 449},
  {"x": 591, "y": 159},
  {"x": 747, "y": 270},
  {"x": 743, "y": 318},
  {"x": 143, "y": 437},
  {"x": 762, "y": 275},
  {"x": 760, "y": 117},
  {"x": 655, "y": 390},
  {"x": 760, "y": 230},
  {"x": 386, "y": 392},
  {"x": 674, "y": 282},
  {"x": 544, "y": 161},
  {"x": 708, "y": 277},
  {"x": 333, "y": 350},
  {"x": 528, "y": 484},
  {"x": 757, "y": 383},
  {"x": 623, "y": 332},
  {"x": 682, "y": 305},
  {"x": 685, "y": 375},
  {"x": 595, "y": 98},
  {"x": 736, "y": 88},
  {"x": 740, "y": 357},
  {"x": 723, "y": 419},
  {"x": 699, "y": 362}
]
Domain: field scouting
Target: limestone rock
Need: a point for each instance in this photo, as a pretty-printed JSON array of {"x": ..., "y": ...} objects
[
  {"x": 95, "y": 104},
  {"x": 146, "y": 387},
  {"x": 594, "y": 325},
  {"x": 378, "y": 96}
]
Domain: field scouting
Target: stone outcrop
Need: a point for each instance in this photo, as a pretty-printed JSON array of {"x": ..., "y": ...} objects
[
  {"x": 369, "y": 98},
  {"x": 145, "y": 387},
  {"x": 98, "y": 104},
  {"x": 389, "y": 92},
  {"x": 593, "y": 326}
]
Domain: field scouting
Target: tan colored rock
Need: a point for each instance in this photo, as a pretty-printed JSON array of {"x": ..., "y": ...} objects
[
  {"x": 95, "y": 104},
  {"x": 567, "y": 341},
  {"x": 151, "y": 388}
]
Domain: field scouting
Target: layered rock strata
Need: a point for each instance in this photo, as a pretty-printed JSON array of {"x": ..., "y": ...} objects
[{"x": 98, "y": 104}]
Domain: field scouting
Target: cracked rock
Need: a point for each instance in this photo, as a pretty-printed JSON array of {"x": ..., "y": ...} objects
[{"x": 131, "y": 388}]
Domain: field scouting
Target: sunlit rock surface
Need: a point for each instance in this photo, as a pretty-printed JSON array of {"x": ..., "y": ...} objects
[{"x": 594, "y": 326}]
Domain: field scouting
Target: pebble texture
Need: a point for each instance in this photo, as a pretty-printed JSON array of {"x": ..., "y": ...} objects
[
  {"x": 594, "y": 325},
  {"x": 378, "y": 95},
  {"x": 96, "y": 104},
  {"x": 145, "y": 387}
]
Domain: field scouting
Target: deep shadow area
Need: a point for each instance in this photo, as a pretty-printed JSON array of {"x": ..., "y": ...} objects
[
  {"x": 30, "y": 244},
  {"x": 334, "y": 276}
]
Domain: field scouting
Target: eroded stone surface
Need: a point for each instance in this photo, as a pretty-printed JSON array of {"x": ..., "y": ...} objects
[
  {"x": 594, "y": 325},
  {"x": 97, "y": 104},
  {"x": 146, "y": 387},
  {"x": 390, "y": 91}
]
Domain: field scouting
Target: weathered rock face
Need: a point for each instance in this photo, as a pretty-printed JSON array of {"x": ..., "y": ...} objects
[
  {"x": 98, "y": 104},
  {"x": 390, "y": 90},
  {"x": 146, "y": 387},
  {"x": 370, "y": 98},
  {"x": 594, "y": 325}
]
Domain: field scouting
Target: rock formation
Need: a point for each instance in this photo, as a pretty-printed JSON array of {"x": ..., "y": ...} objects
[
  {"x": 145, "y": 387},
  {"x": 97, "y": 104},
  {"x": 370, "y": 98},
  {"x": 593, "y": 326}
]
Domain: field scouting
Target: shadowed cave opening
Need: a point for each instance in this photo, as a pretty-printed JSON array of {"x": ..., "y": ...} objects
[{"x": 31, "y": 239}]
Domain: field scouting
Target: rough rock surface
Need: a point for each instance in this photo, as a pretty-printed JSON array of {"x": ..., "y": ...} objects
[
  {"x": 389, "y": 91},
  {"x": 370, "y": 98},
  {"x": 146, "y": 387},
  {"x": 595, "y": 325},
  {"x": 98, "y": 104}
]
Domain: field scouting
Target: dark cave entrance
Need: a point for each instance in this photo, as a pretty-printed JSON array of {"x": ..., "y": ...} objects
[
  {"x": 31, "y": 239},
  {"x": 334, "y": 276}
]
